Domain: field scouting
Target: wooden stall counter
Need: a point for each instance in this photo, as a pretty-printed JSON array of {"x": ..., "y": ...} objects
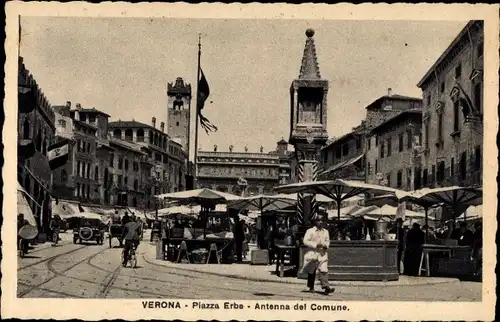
[{"x": 360, "y": 260}]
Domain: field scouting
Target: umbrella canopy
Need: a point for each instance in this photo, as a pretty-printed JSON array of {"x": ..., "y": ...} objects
[
  {"x": 199, "y": 196},
  {"x": 62, "y": 210},
  {"x": 472, "y": 213},
  {"x": 24, "y": 208},
  {"x": 338, "y": 190},
  {"x": 263, "y": 202},
  {"x": 391, "y": 211}
]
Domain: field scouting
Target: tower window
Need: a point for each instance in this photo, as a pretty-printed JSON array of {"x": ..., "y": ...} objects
[{"x": 176, "y": 123}]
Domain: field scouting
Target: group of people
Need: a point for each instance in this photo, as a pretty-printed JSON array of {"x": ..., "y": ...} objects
[{"x": 410, "y": 242}]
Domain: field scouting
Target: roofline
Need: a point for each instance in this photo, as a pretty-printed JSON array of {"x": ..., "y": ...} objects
[
  {"x": 383, "y": 124},
  {"x": 446, "y": 52},
  {"x": 118, "y": 142},
  {"x": 85, "y": 124},
  {"x": 87, "y": 110},
  {"x": 393, "y": 97},
  {"x": 143, "y": 125}
]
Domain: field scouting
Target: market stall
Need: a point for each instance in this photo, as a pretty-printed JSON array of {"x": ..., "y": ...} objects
[{"x": 352, "y": 259}]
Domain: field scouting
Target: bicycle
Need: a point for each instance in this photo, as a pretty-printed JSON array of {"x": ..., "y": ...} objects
[{"x": 132, "y": 257}]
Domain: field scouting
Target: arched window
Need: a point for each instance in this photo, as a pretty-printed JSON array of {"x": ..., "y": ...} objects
[
  {"x": 140, "y": 135},
  {"x": 38, "y": 143},
  {"x": 64, "y": 176},
  {"x": 117, "y": 134},
  {"x": 129, "y": 136},
  {"x": 26, "y": 129}
]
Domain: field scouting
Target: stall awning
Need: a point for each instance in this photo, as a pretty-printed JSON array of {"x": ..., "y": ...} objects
[{"x": 344, "y": 164}]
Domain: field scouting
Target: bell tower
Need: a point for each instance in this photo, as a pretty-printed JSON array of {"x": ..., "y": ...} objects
[
  {"x": 178, "y": 111},
  {"x": 308, "y": 122}
]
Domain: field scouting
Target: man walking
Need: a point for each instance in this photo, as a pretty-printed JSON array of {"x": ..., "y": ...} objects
[{"x": 317, "y": 240}]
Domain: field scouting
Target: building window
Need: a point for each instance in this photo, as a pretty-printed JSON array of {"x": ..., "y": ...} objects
[
  {"x": 88, "y": 191},
  {"x": 111, "y": 160},
  {"x": 129, "y": 135},
  {"x": 158, "y": 157},
  {"x": 126, "y": 164},
  {"x": 369, "y": 143},
  {"x": 78, "y": 190},
  {"x": 456, "y": 116},
  {"x": 176, "y": 123},
  {"x": 440, "y": 128},
  {"x": 96, "y": 173},
  {"x": 345, "y": 149},
  {"x": 376, "y": 166},
  {"x": 120, "y": 163},
  {"x": 88, "y": 171},
  {"x": 429, "y": 100},
  {"x": 400, "y": 179},
  {"x": 82, "y": 193},
  {"x": 427, "y": 127},
  {"x": 389, "y": 179},
  {"x": 88, "y": 147},
  {"x": 117, "y": 134},
  {"x": 382, "y": 149},
  {"x": 78, "y": 165},
  {"x": 136, "y": 185},
  {"x": 463, "y": 166},
  {"x": 408, "y": 179},
  {"x": 442, "y": 87},
  {"x": 140, "y": 135},
  {"x": 477, "y": 158},
  {"x": 409, "y": 134},
  {"x": 477, "y": 97},
  {"x": 358, "y": 144},
  {"x": 135, "y": 166},
  {"x": 401, "y": 142},
  {"x": 425, "y": 179},
  {"x": 440, "y": 172},
  {"x": 433, "y": 174},
  {"x": 389, "y": 146},
  {"x": 458, "y": 71}
]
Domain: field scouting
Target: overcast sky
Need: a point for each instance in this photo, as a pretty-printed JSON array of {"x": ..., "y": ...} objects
[{"x": 122, "y": 65}]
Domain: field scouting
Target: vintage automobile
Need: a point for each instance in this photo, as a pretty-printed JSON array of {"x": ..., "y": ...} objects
[{"x": 89, "y": 228}]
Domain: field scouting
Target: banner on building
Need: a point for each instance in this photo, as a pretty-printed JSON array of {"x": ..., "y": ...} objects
[{"x": 58, "y": 154}]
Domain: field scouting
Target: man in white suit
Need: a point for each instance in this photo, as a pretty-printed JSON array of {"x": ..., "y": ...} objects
[{"x": 317, "y": 240}]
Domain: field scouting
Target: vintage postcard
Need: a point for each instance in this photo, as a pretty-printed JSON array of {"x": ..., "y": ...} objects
[{"x": 237, "y": 162}]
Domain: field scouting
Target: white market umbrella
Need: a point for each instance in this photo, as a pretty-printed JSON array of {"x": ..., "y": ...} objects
[
  {"x": 263, "y": 202},
  {"x": 338, "y": 190},
  {"x": 391, "y": 211},
  {"x": 88, "y": 215},
  {"x": 472, "y": 213}
]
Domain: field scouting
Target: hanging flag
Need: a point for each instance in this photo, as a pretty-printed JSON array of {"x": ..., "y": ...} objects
[
  {"x": 58, "y": 154},
  {"x": 203, "y": 93}
]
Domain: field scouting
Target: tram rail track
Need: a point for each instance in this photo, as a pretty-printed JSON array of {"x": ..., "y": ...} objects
[{"x": 50, "y": 258}]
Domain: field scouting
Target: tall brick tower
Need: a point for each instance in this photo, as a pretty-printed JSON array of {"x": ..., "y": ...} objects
[{"x": 178, "y": 110}]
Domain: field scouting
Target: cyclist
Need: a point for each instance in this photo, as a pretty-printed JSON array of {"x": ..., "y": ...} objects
[
  {"x": 131, "y": 236},
  {"x": 55, "y": 226}
]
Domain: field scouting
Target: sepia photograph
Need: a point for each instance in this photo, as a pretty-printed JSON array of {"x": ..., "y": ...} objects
[{"x": 261, "y": 165}]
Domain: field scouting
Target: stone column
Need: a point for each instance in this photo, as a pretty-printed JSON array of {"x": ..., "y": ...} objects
[
  {"x": 134, "y": 135},
  {"x": 307, "y": 207}
]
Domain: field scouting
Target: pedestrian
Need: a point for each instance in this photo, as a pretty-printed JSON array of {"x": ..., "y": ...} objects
[
  {"x": 317, "y": 241},
  {"x": 400, "y": 237},
  {"x": 415, "y": 238},
  {"x": 465, "y": 236},
  {"x": 125, "y": 219},
  {"x": 239, "y": 237}
]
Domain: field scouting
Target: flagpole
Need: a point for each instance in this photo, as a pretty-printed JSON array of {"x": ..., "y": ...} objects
[{"x": 195, "y": 175}]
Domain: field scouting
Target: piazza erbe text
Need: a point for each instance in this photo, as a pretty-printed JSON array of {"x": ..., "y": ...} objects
[{"x": 118, "y": 209}]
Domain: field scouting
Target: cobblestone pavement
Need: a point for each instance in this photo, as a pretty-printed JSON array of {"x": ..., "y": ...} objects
[{"x": 94, "y": 271}]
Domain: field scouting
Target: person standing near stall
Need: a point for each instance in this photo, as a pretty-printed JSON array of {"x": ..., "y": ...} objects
[
  {"x": 317, "y": 241},
  {"x": 239, "y": 237},
  {"x": 400, "y": 237},
  {"x": 415, "y": 238}
]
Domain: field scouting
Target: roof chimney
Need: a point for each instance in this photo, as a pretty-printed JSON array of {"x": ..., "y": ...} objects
[
  {"x": 389, "y": 91},
  {"x": 153, "y": 122},
  {"x": 162, "y": 126}
]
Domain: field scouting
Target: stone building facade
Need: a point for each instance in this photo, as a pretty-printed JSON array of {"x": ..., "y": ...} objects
[
  {"x": 284, "y": 156},
  {"x": 168, "y": 157},
  {"x": 344, "y": 157},
  {"x": 36, "y": 132},
  {"x": 390, "y": 151},
  {"x": 452, "y": 90},
  {"x": 222, "y": 171},
  {"x": 178, "y": 111}
]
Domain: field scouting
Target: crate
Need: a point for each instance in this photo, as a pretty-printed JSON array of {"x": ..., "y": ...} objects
[{"x": 260, "y": 257}]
